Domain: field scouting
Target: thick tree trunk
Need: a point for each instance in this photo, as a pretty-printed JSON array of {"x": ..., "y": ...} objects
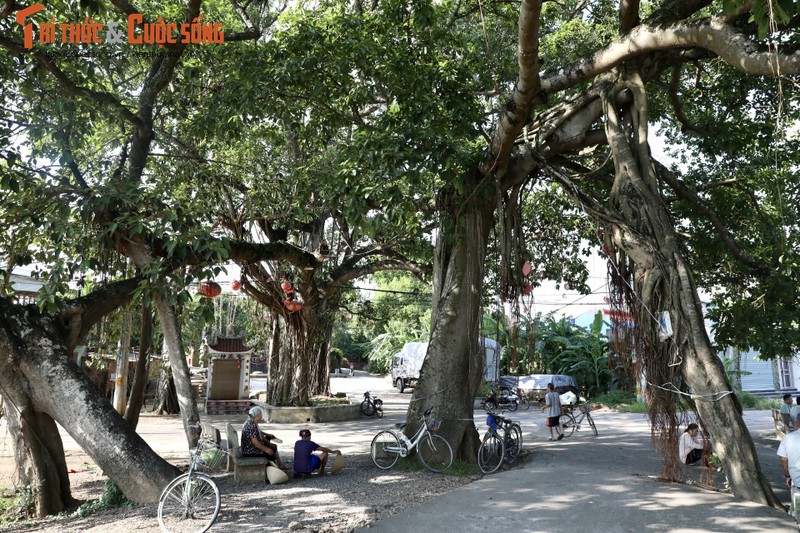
[
  {"x": 42, "y": 384},
  {"x": 320, "y": 361},
  {"x": 453, "y": 367},
  {"x": 180, "y": 369},
  {"x": 136, "y": 400},
  {"x": 273, "y": 359},
  {"x": 664, "y": 282},
  {"x": 170, "y": 327},
  {"x": 39, "y": 457}
]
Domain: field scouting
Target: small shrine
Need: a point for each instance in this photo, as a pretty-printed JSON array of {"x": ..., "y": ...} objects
[{"x": 228, "y": 387}]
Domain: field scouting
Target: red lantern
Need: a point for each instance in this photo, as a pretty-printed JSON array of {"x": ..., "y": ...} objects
[
  {"x": 209, "y": 289},
  {"x": 235, "y": 285},
  {"x": 286, "y": 285},
  {"x": 293, "y": 305},
  {"x": 527, "y": 290}
]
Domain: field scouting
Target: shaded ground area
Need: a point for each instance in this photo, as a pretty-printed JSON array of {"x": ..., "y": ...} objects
[{"x": 583, "y": 483}]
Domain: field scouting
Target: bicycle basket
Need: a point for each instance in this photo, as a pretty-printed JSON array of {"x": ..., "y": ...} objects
[
  {"x": 584, "y": 408},
  {"x": 212, "y": 457}
]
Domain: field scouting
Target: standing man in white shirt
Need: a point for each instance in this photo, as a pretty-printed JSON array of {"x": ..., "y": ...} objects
[
  {"x": 789, "y": 452},
  {"x": 552, "y": 402}
]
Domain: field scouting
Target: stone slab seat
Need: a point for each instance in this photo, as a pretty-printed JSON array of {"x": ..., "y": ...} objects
[
  {"x": 210, "y": 432},
  {"x": 246, "y": 469}
]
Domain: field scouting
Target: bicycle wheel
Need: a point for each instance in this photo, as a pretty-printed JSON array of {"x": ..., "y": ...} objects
[
  {"x": 435, "y": 453},
  {"x": 524, "y": 404},
  {"x": 188, "y": 504},
  {"x": 568, "y": 424},
  {"x": 513, "y": 443},
  {"x": 591, "y": 423},
  {"x": 367, "y": 408},
  {"x": 385, "y": 449},
  {"x": 512, "y": 406},
  {"x": 491, "y": 453}
]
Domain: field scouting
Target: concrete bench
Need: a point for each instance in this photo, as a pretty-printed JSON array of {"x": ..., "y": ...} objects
[
  {"x": 208, "y": 431},
  {"x": 244, "y": 468}
]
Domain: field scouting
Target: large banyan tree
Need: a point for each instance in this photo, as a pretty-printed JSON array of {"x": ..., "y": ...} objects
[{"x": 579, "y": 115}]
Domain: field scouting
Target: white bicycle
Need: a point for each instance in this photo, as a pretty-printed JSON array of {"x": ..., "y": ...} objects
[
  {"x": 191, "y": 502},
  {"x": 434, "y": 452}
]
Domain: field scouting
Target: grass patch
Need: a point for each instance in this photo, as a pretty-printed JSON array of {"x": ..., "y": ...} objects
[
  {"x": 635, "y": 407},
  {"x": 16, "y": 505},
  {"x": 328, "y": 401}
]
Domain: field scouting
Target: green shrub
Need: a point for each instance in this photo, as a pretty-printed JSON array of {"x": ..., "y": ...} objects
[
  {"x": 112, "y": 497},
  {"x": 615, "y": 398},
  {"x": 751, "y": 401}
]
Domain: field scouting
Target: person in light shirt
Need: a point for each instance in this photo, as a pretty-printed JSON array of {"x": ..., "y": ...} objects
[
  {"x": 692, "y": 447},
  {"x": 789, "y": 453}
]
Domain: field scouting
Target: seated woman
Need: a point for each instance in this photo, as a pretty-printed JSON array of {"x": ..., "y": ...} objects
[
  {"x": 305, "y": 462},
  {"x": 255, "y": 443},
  {"x": 692, "y": 447}
]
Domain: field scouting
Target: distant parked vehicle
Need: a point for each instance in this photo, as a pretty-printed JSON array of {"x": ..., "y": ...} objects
[{"x": 407, "y": 363}]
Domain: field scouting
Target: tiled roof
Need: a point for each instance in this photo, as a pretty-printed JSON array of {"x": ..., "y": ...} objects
[{"x": 230, "y": 345}]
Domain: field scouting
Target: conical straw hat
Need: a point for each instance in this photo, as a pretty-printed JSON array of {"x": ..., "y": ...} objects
[
  {"x": 276, "y": 476},
  {"x": 338, "y": 464}
]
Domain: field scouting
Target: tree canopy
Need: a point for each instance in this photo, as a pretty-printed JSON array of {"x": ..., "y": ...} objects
[{"x": 329, "y": 140}]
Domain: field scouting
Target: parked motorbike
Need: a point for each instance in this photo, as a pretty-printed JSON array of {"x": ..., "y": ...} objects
[
  {"x": 372, "y": 405},
  {"x": 507, "y": 399}
]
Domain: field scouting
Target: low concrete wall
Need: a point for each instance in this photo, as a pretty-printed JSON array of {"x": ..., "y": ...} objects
[{"x": 299, "y": 415}]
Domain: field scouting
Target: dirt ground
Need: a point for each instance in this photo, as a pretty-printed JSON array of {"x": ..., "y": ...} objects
[{"x": 355, "y": 497}]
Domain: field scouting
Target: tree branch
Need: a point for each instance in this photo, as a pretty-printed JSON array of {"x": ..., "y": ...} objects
[
  {"x": 674, "y": 84},
  {"x": 517, "y": 111},
  {"x": 80, "y": 314},
  {"x": 711, "y": 34},
  {"x": 700, "y": 207},
  {"x": 66, "y": 83}
]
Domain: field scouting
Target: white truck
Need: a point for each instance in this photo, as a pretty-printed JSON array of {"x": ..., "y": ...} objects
[{"x": 407, "y": 363}]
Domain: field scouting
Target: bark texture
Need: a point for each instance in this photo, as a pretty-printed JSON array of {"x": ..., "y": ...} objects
[
  {"x": 453, "y": 367},
  {"x": 644, "y": 230},
  {"x": 42, "y": 385}
]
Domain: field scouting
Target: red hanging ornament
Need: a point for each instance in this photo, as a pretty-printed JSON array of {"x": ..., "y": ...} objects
[
  {"x": 528, "y": 288},
  {"x": 209, "y": 289},
  {"x": 287, "y": 285},
  {"x": 236, "y": 285},
  {"x": 293, "y": 305}
]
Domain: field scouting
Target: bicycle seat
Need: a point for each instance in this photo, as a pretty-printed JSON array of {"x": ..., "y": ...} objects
[{"x": 400, "y": 425}]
